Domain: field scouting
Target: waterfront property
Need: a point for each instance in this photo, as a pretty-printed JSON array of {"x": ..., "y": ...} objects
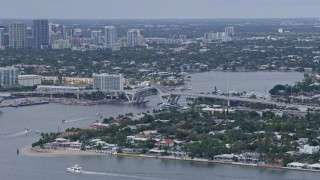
[{"x": 250, "y": 157}]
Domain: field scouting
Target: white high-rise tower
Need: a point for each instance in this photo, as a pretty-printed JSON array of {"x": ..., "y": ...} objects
[{"x": 110, "y": 36}]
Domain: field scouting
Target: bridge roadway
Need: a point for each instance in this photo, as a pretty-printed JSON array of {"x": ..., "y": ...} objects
[
  {"x": 133, "y": 96},
  {"x": 243, "y": 99},
  {"x": 80, "y": 91}
]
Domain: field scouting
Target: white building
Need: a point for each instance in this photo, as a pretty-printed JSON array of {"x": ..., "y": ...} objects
[
  {"x": 29, "y": 80},
  {"x": 17, "y": 35},
  {"x": 250, "y": 157},
  {"x": 280, "y": 30},
  {"x": 133, "y": 36},
  {"x": 110, "y": 36},
  {"x": 108, "y": 81},
  {"x": 8, "y": 76},
  {"x": 306, "y": 149}
]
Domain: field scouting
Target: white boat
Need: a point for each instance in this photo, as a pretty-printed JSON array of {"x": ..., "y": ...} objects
[{"x": 75, "y": 169}]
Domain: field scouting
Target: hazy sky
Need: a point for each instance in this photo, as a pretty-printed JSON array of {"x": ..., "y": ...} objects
[{"x": 148, "y": 9}]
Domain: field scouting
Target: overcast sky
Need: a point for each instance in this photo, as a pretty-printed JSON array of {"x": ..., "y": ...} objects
[{"x": 158, "y": 9}]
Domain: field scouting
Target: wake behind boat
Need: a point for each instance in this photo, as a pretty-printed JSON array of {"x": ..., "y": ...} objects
[{"x": 75, "y": 169}]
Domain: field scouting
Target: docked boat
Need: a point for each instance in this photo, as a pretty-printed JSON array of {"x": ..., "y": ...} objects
[{"x": 75, "y": 169}]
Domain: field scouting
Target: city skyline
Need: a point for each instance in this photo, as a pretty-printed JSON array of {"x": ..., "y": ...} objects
[{"x": 155, "y": 9}]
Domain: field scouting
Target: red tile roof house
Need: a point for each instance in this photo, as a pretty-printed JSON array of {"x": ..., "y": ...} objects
[{"x": 166, "y": 143}]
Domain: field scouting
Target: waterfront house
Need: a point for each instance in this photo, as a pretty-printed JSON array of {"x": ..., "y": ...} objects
[
  {"x": 250, "y": 157},
  {"x": 226, "y": 157},
  {"x": 306, "y": 149},
  {"x": 155, "y": 152},
  {"x": 109, "y": 148},
  {"x": 60, "y": 143},
  {"x": 166, "y": 143},
  {"x": 75, "y": 145}
]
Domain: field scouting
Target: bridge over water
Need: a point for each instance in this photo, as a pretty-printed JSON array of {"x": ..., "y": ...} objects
[
  {"x": 170, "y": 97},
  {"x": 135, "y": 96}
]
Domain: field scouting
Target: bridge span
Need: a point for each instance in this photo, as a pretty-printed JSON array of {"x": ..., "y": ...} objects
[
  {"x": 135, "y": 96},
  {"x": 170, "y": 97}
]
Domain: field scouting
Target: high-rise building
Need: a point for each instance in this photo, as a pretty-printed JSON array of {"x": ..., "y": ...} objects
[
  {"x": 56, "y": 32},
  {"x": 133, "y": 36},
  {"x": 96, "y": 37},
  {"x": 17, "y": 35},
  {"x": 1, "y": 36},
  {"x": 29, "y": 37},
  {"x": 107, "y": 81},
  {"x": 40, "y": 33},
  {"x": 229, "y": 31},
  {"x": 110, "y": 36},
  {"x": 8, "y": 76}
]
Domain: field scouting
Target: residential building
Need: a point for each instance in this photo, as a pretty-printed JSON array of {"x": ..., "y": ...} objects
[
  {"x": 166, "y": 143},
  {"x": 40, "y": 33},
  {"x": 108, "y": 81},
  {"x": 96, "y": 37},
  {"x": 1, "y": 36},
  {"x": 250, "y": 157},
  {"x": 29, "y": 37},
  {"x": 29, "y": 80},
  {"x": 8, "y": 76},
  {"x": 226, "y": 157},
  {"x": 229, "y": 31},
  {"x": 133, "y": 36},
  {"x": 110, "y": 36},
  {"x": 57, "y": 32},
  {"x": 306, "y": 149},
  {"x": 17, "y": 35}
]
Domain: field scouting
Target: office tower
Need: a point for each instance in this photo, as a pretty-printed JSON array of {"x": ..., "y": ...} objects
[
  {"x": 17, "y": 35},
  {"x": 107, "y": 81},
  {"x": 40, "y": 33},
  {"x": 133, "y": 36},
  {"x": 8, "y": 76},
  {"x": 110, "y": 36},
  {"x": 229, "y": 31},
  {"x": 96, "y": 37},
  {"x": 1, "y": 36}
]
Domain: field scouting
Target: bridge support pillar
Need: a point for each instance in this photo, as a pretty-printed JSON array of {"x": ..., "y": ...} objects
[
  {"x": 136, "y": 98},
  {"x": 169, "y": 98},
  {"x": 78, "y": 96}
]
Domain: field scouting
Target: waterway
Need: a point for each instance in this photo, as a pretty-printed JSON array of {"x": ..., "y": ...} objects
[{"x": 48, "y": 118}]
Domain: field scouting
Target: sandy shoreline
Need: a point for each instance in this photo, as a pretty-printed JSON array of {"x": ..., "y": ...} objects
[{"x": 29, "y": 151}]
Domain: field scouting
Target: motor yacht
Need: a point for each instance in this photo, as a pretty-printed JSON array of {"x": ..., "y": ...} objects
[{"x": 75, "y": 169}]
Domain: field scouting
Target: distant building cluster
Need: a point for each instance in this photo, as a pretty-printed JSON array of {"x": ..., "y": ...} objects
[
  {"x": 227, "y": 35},
  {"x": 42, "y": 34}
]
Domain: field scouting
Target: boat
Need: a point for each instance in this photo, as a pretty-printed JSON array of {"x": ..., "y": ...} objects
[{"x": 75, "y": 169}]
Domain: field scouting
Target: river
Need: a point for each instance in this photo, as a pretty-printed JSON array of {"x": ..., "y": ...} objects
[{"x": 47, "y": 118}]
